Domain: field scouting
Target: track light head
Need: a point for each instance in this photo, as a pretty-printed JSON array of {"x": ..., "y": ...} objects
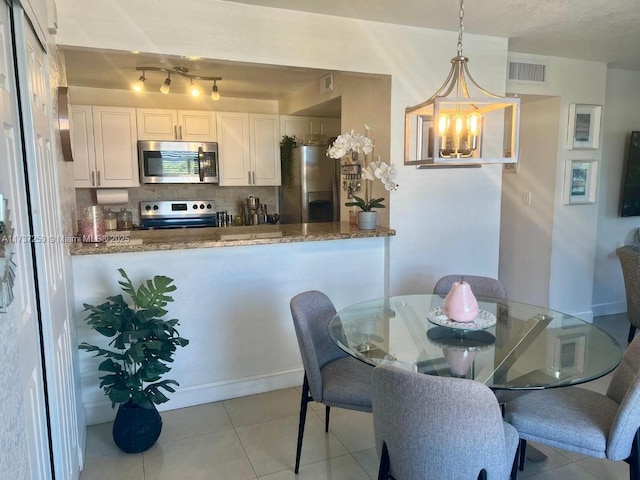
[
  {"x": 139, "y": 85},
  {"x": 215, "y": 95},
  {"x": 193, "y": 89},
  {"x": 166, "y": 86}
]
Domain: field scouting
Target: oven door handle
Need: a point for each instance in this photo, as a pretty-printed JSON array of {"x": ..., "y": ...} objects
[{"x": 200, "y": 166}]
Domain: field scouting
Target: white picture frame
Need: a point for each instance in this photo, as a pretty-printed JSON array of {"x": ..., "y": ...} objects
[
  {"x": 583, "y": 130},
  {"x": 581, "y": 179}
]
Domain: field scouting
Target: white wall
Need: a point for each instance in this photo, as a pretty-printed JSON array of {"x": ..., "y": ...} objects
[
  {"x": 233, "y": 306},
  {"x": 573, "y": 240},
  {"x": 621, "y": 116},
  {"x": 447, "y": 220},
  {"x": 526, "y": 230}
]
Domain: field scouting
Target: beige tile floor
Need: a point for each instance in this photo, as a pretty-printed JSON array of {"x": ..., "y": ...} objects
[{"x": 254, "y": 437}]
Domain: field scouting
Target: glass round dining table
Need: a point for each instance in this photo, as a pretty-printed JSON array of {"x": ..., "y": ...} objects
[{"x": 510, "y": 345}]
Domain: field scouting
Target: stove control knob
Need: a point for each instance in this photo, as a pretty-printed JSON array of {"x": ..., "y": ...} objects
[
  {"x": 202, "y": 206},
  {"x": 208, "y": 206},
  {"x": 195, "y": 207},
  {"x": 147, "y": 208},
  {"x": 155, "y": 207}
]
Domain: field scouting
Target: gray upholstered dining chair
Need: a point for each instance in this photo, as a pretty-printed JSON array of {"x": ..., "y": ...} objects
[
  {"x": 630, "y": 263},
  {"x": 583, "y": 421},
  {"x": 331, "y": 376},
  {"x": 439, "y": 427},
  {"x": 480, "y": 286}
]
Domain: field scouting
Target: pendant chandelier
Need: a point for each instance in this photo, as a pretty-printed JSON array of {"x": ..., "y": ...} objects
[
  {"x": 165, "y": 88},
  {"x": 454, "y": 128}
]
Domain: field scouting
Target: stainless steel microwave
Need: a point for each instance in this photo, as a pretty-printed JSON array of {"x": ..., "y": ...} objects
[{"x": 178, "y": 162}]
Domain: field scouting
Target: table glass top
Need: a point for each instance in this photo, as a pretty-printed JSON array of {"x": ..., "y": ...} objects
[{"x": 526, "y": 347}]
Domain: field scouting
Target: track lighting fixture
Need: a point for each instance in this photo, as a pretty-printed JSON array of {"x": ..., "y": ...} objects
[{"x": 165, "y": 88}]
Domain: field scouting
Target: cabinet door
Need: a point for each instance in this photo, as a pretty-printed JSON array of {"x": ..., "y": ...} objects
[
  {"x": 328, "y": 126},
  {"x": 197, "y": 126},
  {"x": 84, "y": 155},
  {"x": 294, "y": 126},
  {"x": 233, "y": 148},
  {"x": 115, "y": 143},
  {"x": 157, "y": 124},
  {"x": 265, "y": 149}
]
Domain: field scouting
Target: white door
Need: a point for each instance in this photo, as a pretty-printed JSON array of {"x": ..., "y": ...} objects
[
  {"x": 21, "y": 314},
  {"x": 52, "y": 265}
]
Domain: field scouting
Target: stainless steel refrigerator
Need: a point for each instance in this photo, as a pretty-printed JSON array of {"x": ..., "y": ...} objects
[{"x": 313, "y": 195}]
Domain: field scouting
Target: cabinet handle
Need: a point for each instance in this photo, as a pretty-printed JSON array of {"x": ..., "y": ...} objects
[
  {"x": 249, "y": 175},
  {"x": 175, "y": 132},
  {"x": 180, "y": 130},
  {"x": 98, "y": 178},
  {"x": 254, "y": 177},
  {"x": 93, "y": 179}
]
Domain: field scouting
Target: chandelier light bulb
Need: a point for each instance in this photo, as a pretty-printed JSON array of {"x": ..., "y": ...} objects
[
  {"x": 139, "y": 85},
  {"x": 166, "y": 86},
  {"x": 215, "y": 95}
]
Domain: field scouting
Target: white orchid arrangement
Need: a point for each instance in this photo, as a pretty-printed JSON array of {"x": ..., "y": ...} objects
[
  {"x": 350, "y": 142},
  {"x": 355, "y": 142}
]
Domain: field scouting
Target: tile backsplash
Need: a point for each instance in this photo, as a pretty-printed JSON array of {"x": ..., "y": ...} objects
[{"x": 228, "y": 199}]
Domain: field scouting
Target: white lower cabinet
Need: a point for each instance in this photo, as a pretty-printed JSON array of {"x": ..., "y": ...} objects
[
  {"x": 249, "y": 149},
  {"x": 105, "y": 152}
]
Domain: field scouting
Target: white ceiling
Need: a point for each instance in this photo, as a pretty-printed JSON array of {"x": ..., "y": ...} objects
[{"x": 599, "y": 30}]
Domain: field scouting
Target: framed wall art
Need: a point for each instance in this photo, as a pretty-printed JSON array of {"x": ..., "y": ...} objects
[
  {"x": 581, "y": 177},
  {"x": 583, "y": 132}
]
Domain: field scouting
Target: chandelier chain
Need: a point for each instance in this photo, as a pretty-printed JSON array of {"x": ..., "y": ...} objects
[{"x": 461, "y": 28}]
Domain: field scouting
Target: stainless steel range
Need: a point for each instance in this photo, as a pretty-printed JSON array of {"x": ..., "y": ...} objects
[{"x": 178, "y": 214}]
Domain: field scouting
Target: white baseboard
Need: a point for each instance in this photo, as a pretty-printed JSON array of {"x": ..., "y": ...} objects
[
  {"x": 101, "y": 412},
  {"x": 611, "y": 308}
]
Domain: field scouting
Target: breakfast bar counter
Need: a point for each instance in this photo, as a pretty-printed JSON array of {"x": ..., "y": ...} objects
[{"x": 209, "y": 237}]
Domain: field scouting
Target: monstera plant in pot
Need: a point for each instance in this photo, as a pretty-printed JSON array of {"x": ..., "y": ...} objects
[{"x": 142, "y": 344}]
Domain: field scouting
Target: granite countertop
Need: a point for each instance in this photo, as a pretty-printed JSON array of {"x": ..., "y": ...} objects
[{"x": 186, "y": 238}]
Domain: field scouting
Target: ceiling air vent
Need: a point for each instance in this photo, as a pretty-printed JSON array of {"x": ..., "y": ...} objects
[{"x": 527, "y": 72}]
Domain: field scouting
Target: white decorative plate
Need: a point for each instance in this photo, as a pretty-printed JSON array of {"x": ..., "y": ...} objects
[{"x": 483, "y": 320}]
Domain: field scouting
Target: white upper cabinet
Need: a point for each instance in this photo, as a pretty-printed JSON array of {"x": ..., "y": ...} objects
[
  {"x": 249, "y": 149},
  {"x": 104, "y": 146},
  {"x": 301, "y": 127},
  {"x": 264, "y": 137},
  {"x": 84, "y": 154},
  {"x": 114, "y": 130},
  {"x": 188, "y": 125}
]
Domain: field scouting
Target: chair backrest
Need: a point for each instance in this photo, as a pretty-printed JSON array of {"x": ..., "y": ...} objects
[
  {"x": 624, "y": 388},
  {"x": 630, "y": 263},
  {"x": 437, "y": 427},
  {"x": 311, "y": 312},
  {"x": 480, "y": 286}
]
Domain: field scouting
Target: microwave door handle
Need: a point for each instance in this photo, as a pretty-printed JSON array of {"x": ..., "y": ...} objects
[{"x": 200, "y": 166}]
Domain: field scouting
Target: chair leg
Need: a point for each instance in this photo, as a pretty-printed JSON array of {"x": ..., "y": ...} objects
[
  {"x": 634, "y": 458},
  {"x": 482, "y": 475},
  {"x": 514, "y": 465},
  {"x": 522, "y": 448},
  {"x": 326, "y": 418},
  {"x": 632, "y": 332},
  {"x": 383, "y": 469},
  {"x": 306, "y": 398}
]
